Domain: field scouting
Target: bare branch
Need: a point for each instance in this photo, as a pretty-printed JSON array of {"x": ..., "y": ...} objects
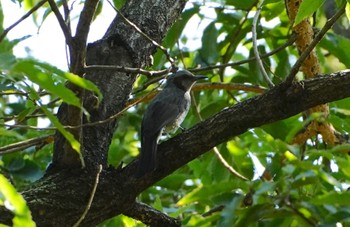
[
  {"x": 255, "y": 47},
  {"x": 32, "y": 10},
  {"x": 150, "y": 216},
  {"x": 66, "y": 32},
  {"x": 19, "y": 146},
  {"x": 118, "y": 68}
]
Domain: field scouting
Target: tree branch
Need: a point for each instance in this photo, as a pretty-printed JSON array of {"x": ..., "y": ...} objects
[
  {"x": 150, "y": 216},
  {"x": 32, "y": 10},
  {"x": 118, "y": 188}
]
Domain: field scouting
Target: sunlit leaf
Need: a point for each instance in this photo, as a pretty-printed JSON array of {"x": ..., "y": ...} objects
[
  {"x": 307, "y": 8},
  {"x": 335, "y": 198},
  {"x": 15, "y": 203},
  {"x": 69, "y": 136}
]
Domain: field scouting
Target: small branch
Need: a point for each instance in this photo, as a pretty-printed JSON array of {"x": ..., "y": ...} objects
[
  {"x": 2, "y": 93},
  {"x": 88, "y": 206},
  {"x": 13, "y": 117},
  {"x": 118, "y": 68},
  {"x": 25, "y": 144},
  {"x": 86, "y": 124},
  {"x": 214, "y": 210},
  {"x": 229, "y": 87},
  {"x": 84, "y": 22},
  {"x": 315, "y": 41},
  {"x": 234, "y": 36},
  {"x": 170, "y": 59},
  {"x": 80, "y": 38},
  {"x": 289, "y": 42},
  {"x": 149, "y": 96},
  {"x": 227, "y": 166},
  {"x": 161, "y": 73},
  {"x": 150, "y": 216},
  {"x": 32, "y": 10},
  {"x": 66, "y": 32},
  {"x": 255, "y": 47}
]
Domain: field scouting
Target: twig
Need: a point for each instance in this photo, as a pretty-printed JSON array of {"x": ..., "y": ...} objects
[
  {"x": 229, "y": 87},
  {"x": 126, "y": 20},
  {"x": 328, "y": 25},
  {"x": 216, "y": 150},
  {"x": 86, "y": 124},
  {"x": 78, "y": 52},
  {"x": 25, "y": 144},
  {"x": 289, "y": 42},
  {"x": 66, "y": 32},
  {"x": 32, "y": 10},
  {"x": 234, "y": 36},
  {"x": 227, "y": 166},
  {"x": 13, "y": 117},
  {"x": 119, "y": 68},
  {"x": 149, "y": 96},
  {"x": 214, "y": 210},
  {"x": 255, "y": 47},
  {"x": 148, "y": 83},
  {"x": 2, "y": 93},
  {"x": 88, "y": 206}
]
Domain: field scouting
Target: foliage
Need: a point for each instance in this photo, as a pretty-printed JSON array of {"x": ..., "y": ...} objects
[{"x": 290, "y": 185}]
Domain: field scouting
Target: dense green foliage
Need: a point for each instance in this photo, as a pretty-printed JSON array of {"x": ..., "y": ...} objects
[{"x": 289, "y": 185}]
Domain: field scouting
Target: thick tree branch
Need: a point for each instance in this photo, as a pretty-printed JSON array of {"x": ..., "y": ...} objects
[
  {"x": 151, "y": 216},
  {"x": 118, "y": 189}
]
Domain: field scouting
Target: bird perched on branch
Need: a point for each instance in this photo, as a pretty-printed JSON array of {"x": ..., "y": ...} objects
[{"x": 165, "y": 113}]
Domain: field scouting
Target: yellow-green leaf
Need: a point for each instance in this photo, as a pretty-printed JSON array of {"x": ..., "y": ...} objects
[
  {"x": 69, "y": 136},
  {"x": 15, "y": 203}
]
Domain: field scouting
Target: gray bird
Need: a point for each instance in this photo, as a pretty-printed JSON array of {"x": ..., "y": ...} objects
[{"x": 165, "y": 113}]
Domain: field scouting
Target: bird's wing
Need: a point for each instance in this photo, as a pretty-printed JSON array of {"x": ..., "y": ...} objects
[{"x": 160, "y": 114}]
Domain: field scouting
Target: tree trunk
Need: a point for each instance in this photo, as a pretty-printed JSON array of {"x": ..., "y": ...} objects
[{"x": 60, "y": 198}]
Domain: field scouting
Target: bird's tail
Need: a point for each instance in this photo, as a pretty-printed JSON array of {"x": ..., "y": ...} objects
[{"x": 147, "y": 160}]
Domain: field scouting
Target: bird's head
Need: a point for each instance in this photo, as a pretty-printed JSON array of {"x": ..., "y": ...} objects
[{"x": 183, "y": 79}]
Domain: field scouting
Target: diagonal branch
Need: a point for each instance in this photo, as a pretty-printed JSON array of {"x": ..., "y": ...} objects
[
  {"x": 150, "y": 216},
  {"x": 66, "y": 32},
  {"x": 118, "y": 188},
  {"x": 80, "y": 37},
  {"x": 7, "y": 30},
  {"x": 255, "y": 46}
]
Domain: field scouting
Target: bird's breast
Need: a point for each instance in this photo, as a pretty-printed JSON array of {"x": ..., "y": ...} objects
[{"x": 184, "y": 106}]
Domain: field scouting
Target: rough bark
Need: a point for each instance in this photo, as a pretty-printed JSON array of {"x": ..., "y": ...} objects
[
  {"x": 122, "y": 45},
  {"x": 60, "y": 199}
]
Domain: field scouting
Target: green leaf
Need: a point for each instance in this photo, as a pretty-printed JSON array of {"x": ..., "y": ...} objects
[
  {"x": 347, "y": 10},
  {"x": 307, "y": 8},
  {"x": 17, "y": 205},
  {"x": 209, "y": 50},
  {"x": 338, "y": 46},
  {"x": 69, "y": 136},
  {"x": 334, "y": 198},
  {"x": 176, "y": 30},
  {"x": 7, "y": 60},
  {"x": 46, "y": 82},
  {"x": 75, "y": 79},
  {"x": 204, "y": 192}
]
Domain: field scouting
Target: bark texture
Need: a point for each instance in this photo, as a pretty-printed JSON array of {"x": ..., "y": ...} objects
[{"x": 60, "y": 198}]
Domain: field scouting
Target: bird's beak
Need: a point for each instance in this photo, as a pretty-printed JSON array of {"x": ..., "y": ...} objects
[{"x": 200, "y": 77}]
